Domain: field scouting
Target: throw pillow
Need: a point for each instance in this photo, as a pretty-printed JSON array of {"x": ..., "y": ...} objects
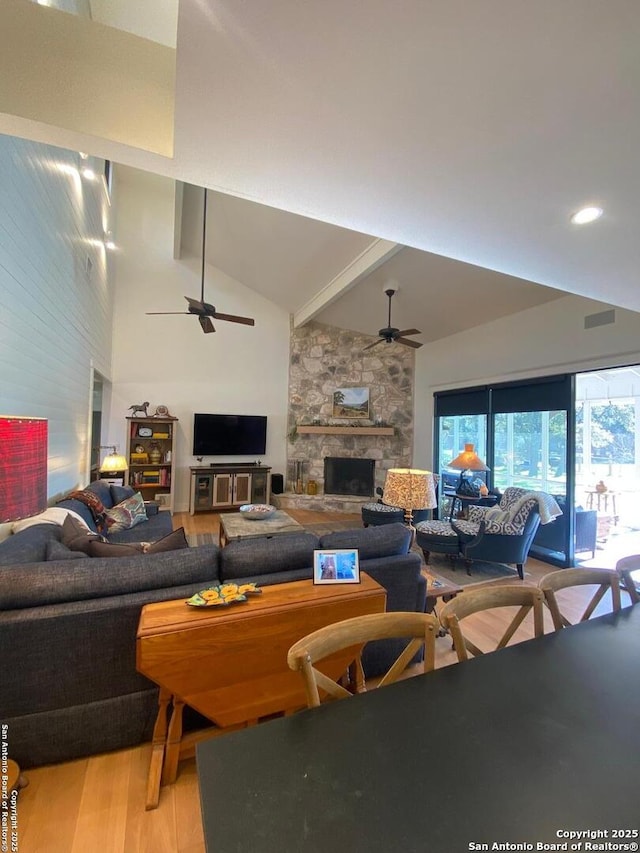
[
  {"x": 110, "y": 549},
  {"x": 497, "y": 515},
  {"x": 171, "y": 542},
  {"x": 58, "y": 551},
  {"x": 121, "y": 493},
  {"x": 76, "y": 535},
  {"x": 126, "y": 514}
]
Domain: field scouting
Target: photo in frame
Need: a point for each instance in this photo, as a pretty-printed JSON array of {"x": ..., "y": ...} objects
[
  {"x": 350, "y": 403},
  {"x": 338, "y": 565}
]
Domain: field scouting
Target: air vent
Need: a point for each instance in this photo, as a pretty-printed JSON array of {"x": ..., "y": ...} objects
[{"x": 604, "y": 318}]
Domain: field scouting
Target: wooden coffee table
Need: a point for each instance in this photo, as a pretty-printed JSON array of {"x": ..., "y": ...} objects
[
  {"x": 230, "y": 663},
  {"x": 233, "y": 525}
]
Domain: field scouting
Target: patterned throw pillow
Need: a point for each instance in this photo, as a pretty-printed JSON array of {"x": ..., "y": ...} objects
[{"x": 127, "y": 514}]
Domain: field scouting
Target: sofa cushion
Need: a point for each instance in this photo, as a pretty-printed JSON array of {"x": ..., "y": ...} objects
[
  {"x": 174, "y": 541},
  {"x": 80, "y": 509},
  {"x": 109, "y": 549},
  {"x": 102, "y": 490},
  {"x": 95, "y": 506},
  {"x": 265, "y": 554},
  {"x": 126, "y": 514},
  {"x": 388, "y": 540},
  {"x": 58, "y": 551},
  {"x": 121, "y": 493},
  {"x": 64, "y": 581},
  {"x": 28, "y": 546}
]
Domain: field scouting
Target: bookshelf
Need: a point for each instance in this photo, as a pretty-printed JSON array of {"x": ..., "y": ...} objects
[{"x": 151, "y": 457}]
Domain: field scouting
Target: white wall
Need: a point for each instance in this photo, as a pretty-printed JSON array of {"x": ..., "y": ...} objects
[
  {"x": 55, "y": 316},
  {"x": 169, "y": 360},
  {"x": 541, "y": 341}
]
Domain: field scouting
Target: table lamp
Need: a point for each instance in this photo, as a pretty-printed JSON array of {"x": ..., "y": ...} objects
[
  {"x": 23, "y": 467},
  {"x": 114, "y": 462},
  {"x": 468, "y": 460},
  {"x": 411, "y": 489}
]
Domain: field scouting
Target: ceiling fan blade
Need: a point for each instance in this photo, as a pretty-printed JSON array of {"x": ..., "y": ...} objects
[
  {"x": 404, "y": 332},
  {"x": 186, "y": 313},
  {"x": 195, "y": 306},
  {"x": 407, "y": 343},
  {"x": 207, "y": 325},
  {"x": 233, "y": 318},
  {"x": 374, "y": 344}
]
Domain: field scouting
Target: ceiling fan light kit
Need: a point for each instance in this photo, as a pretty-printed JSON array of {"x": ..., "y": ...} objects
[
  {"x": 204, "y": 311},
  {"x": 390, "y": 334}
]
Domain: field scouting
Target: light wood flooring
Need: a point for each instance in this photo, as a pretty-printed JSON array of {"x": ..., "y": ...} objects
[{"x": 97, "y": 803}]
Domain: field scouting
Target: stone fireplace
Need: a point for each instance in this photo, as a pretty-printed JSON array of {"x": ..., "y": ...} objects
[
  {"x": 346, "y": 476},
  {"x": 324, "y": 359}
]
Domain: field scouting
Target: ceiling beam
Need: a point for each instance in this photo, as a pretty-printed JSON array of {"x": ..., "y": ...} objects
[{"x": 376, "y": 254}]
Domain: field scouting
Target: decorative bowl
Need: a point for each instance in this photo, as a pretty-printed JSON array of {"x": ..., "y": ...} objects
[{"x": 257, "y": 512}]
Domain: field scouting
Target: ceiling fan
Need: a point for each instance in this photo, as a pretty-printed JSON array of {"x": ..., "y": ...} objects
[
  {"x": 204, "y": 311},
  {"x": 391, "y": 335}
]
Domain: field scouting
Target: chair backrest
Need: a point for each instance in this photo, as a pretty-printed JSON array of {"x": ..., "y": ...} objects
[
  {"x": 471, "y": 601},
  {"x": 349, "y": 637},
  {"x": 624, "y": 568},
  {"x": 605, "y": 579}
]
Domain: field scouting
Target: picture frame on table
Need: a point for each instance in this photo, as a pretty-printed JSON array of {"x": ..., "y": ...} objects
[
  {"x": 338, "y": 565},
  {"x": 163, "y": 499}
]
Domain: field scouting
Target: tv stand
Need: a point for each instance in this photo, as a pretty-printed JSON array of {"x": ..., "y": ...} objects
[{"x": 224, "y": 486}]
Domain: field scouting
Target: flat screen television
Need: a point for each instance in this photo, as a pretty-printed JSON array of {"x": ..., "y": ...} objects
[{"x": 229, "y": 435}]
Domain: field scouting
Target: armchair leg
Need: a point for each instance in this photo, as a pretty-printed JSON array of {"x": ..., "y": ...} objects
[
  {"x": 426, "y": 554},
  {"x": 520, "y": 571}
]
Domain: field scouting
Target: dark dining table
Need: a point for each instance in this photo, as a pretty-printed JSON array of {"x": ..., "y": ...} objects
[{"x": 521, "y": 746}]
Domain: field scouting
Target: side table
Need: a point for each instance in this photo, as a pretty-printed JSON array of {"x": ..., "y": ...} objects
[{"x": 466, "y": 500}]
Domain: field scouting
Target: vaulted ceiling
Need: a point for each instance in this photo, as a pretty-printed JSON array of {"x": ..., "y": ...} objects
[{"x": 467, "y": 132}]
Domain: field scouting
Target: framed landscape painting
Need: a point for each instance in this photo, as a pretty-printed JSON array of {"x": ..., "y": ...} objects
[{"x": 351, "y": 403}]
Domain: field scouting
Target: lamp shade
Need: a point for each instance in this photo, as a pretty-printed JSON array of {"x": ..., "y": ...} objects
[
  {"x": 114, "y": 462},
  {"x": 468, "y": 460},
  {"x": 410, "y": 488},
  {"x": 23, "y": 467}
]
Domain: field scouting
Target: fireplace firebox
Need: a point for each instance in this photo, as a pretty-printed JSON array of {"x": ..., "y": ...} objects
[{"x": 347, "y": 476}]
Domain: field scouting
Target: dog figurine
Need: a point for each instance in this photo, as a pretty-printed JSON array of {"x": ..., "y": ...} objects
[{"x": 141, "y": 407}]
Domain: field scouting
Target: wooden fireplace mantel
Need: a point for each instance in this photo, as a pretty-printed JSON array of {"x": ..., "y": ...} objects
[{"x": 344, "y": 430}]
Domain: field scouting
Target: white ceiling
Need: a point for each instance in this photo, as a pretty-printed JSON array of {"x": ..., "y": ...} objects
[{"x": 470, "y": 131}]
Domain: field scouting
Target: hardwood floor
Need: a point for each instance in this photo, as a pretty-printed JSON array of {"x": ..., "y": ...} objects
[{"x": 97, "y": 803}]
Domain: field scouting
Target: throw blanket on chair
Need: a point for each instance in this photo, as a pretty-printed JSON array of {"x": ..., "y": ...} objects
[
  {"x": 547, "y": 506},
  {"x": 512, "y": 519}
]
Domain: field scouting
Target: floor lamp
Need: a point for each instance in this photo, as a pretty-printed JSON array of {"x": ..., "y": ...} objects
[
  {"x": 23, "y": 493},
  {"x": 411, "y": 489}
]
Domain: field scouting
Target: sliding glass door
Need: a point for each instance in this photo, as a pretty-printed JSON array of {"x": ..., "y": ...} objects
[{"x": 524, "y": 432}]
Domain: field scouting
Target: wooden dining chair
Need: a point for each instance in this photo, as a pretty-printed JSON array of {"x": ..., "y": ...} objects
[
  {"x": 624, "y": 568},
  {"x": 470, "y": 601},
  {"x": 604, "y": 579},
  {"x": 349, "y": 638}
]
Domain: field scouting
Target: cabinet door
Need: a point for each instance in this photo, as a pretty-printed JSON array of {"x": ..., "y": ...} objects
[
  {"x": 259, "y": 487},
  {"x": 222, "y": 490},
  {"x": 241, "y": 488},
  {"x": 203, "y": 491}
]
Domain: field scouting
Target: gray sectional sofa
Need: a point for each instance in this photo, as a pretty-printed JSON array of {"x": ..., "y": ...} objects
[{"x": 67, "y": 626}]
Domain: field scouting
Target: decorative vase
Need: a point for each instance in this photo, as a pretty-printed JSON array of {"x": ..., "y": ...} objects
[
  {"x": 155, "y": 455},
  {"x": 312, "y": 487}
]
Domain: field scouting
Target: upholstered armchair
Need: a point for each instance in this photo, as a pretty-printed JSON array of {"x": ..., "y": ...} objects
[{"x": 500, "y": 534}]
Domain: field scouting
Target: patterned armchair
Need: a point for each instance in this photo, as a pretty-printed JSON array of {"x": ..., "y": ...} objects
[{"x": 500, "y": 534}]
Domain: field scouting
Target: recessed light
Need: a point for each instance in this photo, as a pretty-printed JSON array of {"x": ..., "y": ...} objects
[
  {"x": 83, "y": 156},
  {"x": 109, "y": 244},
  {"x": 586, "y": 215},
  {"x": 89, "y": 174}
]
